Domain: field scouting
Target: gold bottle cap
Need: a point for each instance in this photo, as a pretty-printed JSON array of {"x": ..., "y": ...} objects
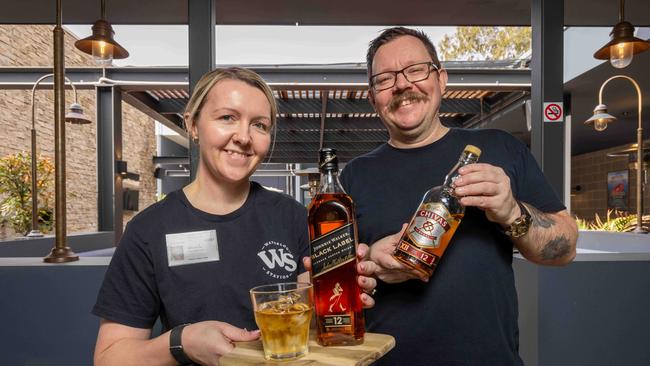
[{"x": 473, "y": 149}]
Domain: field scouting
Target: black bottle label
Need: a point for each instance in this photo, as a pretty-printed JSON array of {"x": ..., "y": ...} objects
[{"x": 332, "y": 250}]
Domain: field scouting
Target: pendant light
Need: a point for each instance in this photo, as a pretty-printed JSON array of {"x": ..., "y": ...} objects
[
  {"x": 101, "y": 44},
  {"x": 624, "y": 45}
]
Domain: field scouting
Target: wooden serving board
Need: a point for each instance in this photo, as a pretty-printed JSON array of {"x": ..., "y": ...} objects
[{"x": 374, "y": 346}]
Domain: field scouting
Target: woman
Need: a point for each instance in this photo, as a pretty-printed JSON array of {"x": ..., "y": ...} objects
[{"x": 191, "y": 258}]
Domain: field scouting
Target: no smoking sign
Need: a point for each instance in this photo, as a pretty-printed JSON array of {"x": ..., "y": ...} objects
[{"x": 553, "y": 112}]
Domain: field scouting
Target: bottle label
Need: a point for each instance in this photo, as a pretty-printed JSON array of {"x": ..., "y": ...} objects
[
  {"x": 427, "y": 258},
  {"x": 332, "y": 250},
  {"x": 337, "y": 321},
  {"x": 430, "y": 222}
]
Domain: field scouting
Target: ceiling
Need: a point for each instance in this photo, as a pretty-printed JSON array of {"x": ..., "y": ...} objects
[
  {"x": 318, "y": 12},
  {"x": 311, "y": 99},
  {"x": 351, "y": 124},
  {"x": 338, "y": 115},
  {"x": 583, "y": 89}
]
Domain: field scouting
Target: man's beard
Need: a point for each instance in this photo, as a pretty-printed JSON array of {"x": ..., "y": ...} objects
[{"x": 412, "y": 96}]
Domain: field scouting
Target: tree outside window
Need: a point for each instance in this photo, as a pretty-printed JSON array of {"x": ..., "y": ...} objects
[{"x": 16, "y": 192}]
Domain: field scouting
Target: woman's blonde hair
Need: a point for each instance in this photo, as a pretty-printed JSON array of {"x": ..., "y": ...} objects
[{"x": 210, "y": 79}]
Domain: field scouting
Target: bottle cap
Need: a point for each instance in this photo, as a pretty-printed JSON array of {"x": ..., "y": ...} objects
[
  {"x": 328, "y": 159},
  {"x": 473, "y": 149}
]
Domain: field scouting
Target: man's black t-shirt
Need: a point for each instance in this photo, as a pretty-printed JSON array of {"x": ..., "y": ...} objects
[
  {"x": 262, "y": 242},
  {"x": 467, "y": 313}
]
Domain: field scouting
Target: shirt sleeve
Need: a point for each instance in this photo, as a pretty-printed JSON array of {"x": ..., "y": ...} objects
[
  {"x": 530, "y": 184},
  {"x": 344, "y": 178},
  {"x": 129, "y": 294}
]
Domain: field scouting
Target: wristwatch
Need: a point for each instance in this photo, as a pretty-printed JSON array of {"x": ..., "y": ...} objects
[
  {"x": 176, "y": 347},
  {"x": 520, "y": 226}
]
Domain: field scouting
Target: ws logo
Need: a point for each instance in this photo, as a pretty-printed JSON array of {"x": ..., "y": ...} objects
[{"x": 278, "y": 262}]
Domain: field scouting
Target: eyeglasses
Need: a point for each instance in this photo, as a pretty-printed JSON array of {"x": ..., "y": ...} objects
[{"x": 412, "y": 73}]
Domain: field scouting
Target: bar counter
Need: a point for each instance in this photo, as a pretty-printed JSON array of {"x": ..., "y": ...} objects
[{"x": 595, "y": 311}]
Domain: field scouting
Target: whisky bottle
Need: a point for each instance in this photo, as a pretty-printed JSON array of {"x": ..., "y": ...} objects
[
  {"x": 435, "y": 221},
  {"x": 333, "y": 235}
]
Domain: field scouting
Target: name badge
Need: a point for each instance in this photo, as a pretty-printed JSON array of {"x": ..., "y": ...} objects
[{"x": 192, "y": 247}]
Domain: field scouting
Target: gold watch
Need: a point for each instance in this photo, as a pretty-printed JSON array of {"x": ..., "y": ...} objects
[{"x": 520, "y": 226}]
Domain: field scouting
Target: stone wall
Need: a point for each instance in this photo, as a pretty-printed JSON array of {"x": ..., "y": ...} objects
[
  {"x": 31, "y": 45},
  {"x": 589, "y": 171}
]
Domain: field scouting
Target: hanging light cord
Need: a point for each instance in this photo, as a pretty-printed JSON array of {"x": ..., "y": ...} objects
[{"x": 621, "y": 10}]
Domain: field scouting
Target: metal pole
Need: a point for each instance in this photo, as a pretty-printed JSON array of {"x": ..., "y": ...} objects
[
  {"x": 109, "y": 150},
  {"x": 323, "y": 113},
  {"x": 639, "y": 177},
  {"x": 36, "y": 233},
  {"x": 202, "y": 55},
  {"x": 639, "y": 150},
  {"x": 60, "y": 253},
  {"x": 548, "y": 139}
]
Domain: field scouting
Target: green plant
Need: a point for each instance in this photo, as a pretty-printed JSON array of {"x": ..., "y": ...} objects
[
  {"x": 16, "y": 192},
  {"x": 582, "y": 224},
  {"x": 618, "y": 223},
  {"x": 160, "y": 196},
  {"x": 615, "y": 221}
]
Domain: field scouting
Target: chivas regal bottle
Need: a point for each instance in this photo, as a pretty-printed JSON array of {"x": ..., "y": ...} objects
[
  {"x": 435, "y": 221},
  {"x": 333, "y": 235}
]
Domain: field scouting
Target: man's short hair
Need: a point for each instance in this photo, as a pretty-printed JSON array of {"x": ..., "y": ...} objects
[{"x": 390, "y": 34}]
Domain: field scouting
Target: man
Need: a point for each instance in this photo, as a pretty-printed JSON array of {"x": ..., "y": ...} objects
[{"x": 466, "y": 313}]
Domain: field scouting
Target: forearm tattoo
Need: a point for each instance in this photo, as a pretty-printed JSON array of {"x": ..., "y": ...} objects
[
  {"x": 539, "y": 218},
  {"x": 555, "y": 248}
]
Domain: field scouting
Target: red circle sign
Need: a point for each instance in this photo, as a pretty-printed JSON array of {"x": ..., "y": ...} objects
[{"x": 553, "y": 112}]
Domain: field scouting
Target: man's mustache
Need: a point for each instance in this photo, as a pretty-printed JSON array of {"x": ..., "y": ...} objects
[{"x": 408, "y": 95}]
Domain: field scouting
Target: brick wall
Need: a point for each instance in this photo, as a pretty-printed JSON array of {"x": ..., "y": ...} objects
[
  {"x": 31, "y": 45},
  {"x": 590, "y": 172}
]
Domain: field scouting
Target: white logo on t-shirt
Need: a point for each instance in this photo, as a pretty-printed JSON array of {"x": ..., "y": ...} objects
[{"x": 277, "y": 259}]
